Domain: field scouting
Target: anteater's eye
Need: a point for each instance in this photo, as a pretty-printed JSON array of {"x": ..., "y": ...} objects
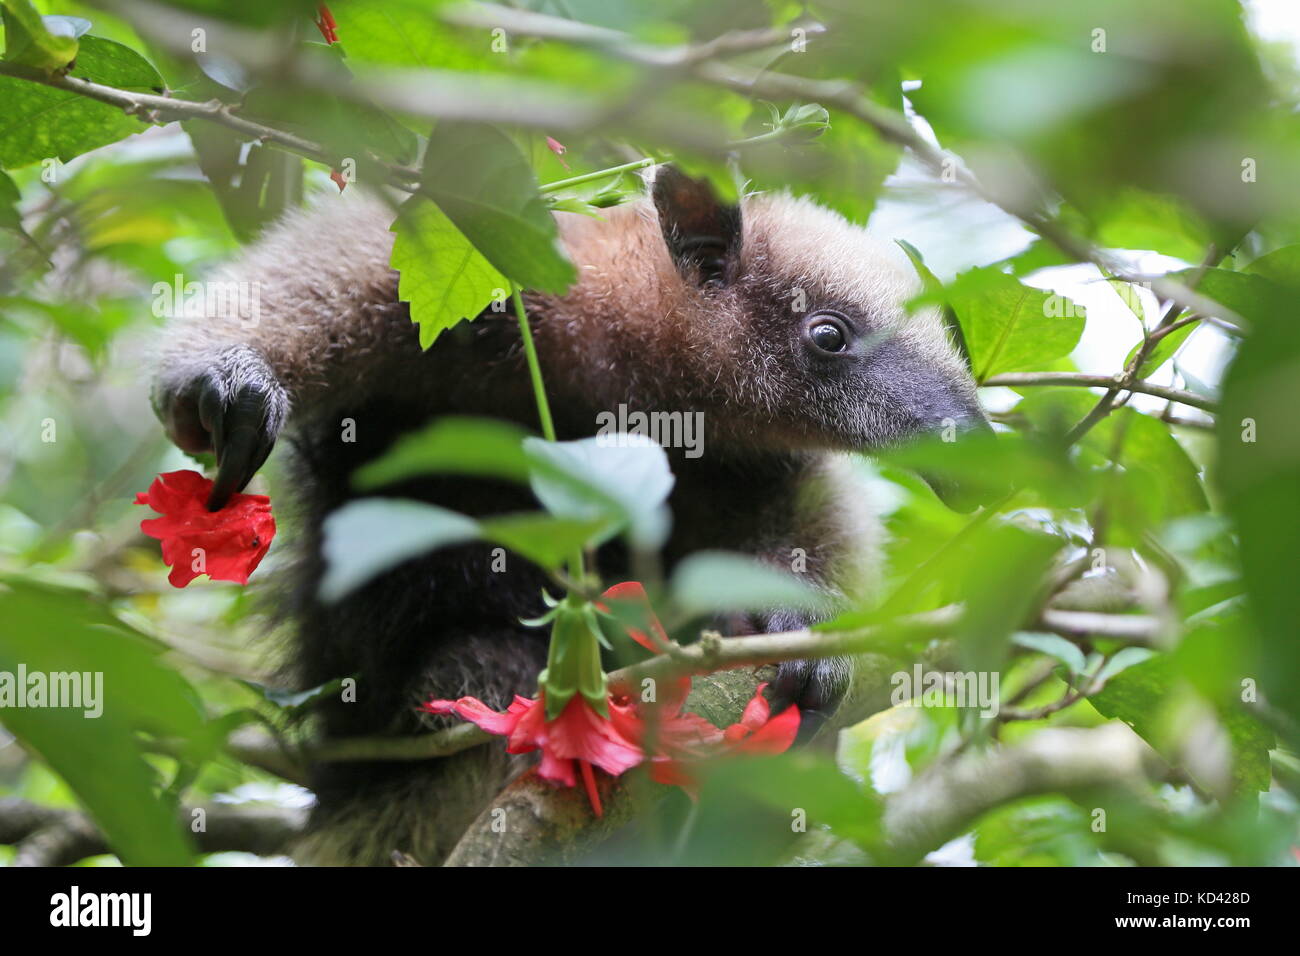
[{"x": 827, "y": 334}]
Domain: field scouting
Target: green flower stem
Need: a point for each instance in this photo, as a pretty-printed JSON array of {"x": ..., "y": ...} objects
[
  {"x": 534, "y": 367},
  {"x": 576, "y": 565},
  {"x": 598, "y": 174}
]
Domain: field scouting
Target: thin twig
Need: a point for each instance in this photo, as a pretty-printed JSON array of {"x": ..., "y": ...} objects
[{"x": 1113, "y": 382}]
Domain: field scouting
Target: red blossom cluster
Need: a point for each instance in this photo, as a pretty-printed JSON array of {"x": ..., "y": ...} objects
[{"x": 671, "y": 739}]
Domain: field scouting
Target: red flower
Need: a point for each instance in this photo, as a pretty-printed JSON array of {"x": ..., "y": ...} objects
[
  {"x": 231, "y": 542},
  {"x": 682, "y": 737},
  {"x": 758, "y": 732},
  {"x": 337, "y": 177},
  {"x": 676, "y": 739},
  {"x": 326, "y": 25},
  {"x": 582, "y": 737},
  {"x": 578, "y": 736}
]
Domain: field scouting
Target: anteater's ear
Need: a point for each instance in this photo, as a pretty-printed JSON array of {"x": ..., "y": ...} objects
[{"x": 702, "y": 232}]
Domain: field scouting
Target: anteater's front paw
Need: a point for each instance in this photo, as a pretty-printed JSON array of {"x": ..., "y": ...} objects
[
  {"x": 234, "y": 407},
  {"x": 816, "y": 687}
]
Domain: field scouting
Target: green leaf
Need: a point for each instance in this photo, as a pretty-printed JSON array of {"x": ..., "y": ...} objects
[
  {"x": 442, "y": 275},
  {"x": 544, "y": 539},
  {"x": 1163, "y": 351},
  {"x": 934, "y": 289},
  {"x": 368, "y": 537},
  {"x": 625, "y": 486},
  {"x": 48, "y": 44},
  {"x": 1258, "y": 473},
  {"x": 1044, "y": 831},
  {"x": 1281, "y": 266},
  {"x": 1000, "y": 579},
  {"x": 452, "y": 445},
  {"x": 1128, "y": 294},
  {"x": 1252, "y": 296},
  {"x": 403, "y": 33},
  {"x": 60, "y": 632},
  {"x": 9, "y": 199},
  {"x": 795, "y": 777},
  {"x": 1009, "y": 326},
  {"x": 345, "y": 127},
  {"x": 1122, "y": 660},
  {"x": 40, "y": 122},
  {"x": 290, "y": 701},
  {"x": 481, "y": 180},
  {"x": 717, "y": 581},
  {"x": 1053, "y": 645},
  {"x": 981, "y": 466},
  {"x": 1157, "y": 481},
  {"x": 1138, "y": 697},
  {"x": 1137, "y": 219}
]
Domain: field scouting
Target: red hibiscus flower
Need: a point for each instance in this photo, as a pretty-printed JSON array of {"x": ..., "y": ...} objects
[
  {"x": 226, "y": 545},
  {"x": 583, "y": 738}
]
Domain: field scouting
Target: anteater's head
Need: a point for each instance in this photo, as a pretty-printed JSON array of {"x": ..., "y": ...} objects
[{"x": 778, "y": 319}]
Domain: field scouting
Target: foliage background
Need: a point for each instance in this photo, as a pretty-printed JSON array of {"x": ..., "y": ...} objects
[{"x": 1137, "y": 149}]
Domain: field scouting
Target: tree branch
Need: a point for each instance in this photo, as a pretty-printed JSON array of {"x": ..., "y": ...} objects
[
  {"x": 945, "y": 800},
  {"x": 48, "y": 836},
  {"x": 1116, "y": 383},
  {"x": 878, "y": 652},
  {"x": 152, "y": 108}
]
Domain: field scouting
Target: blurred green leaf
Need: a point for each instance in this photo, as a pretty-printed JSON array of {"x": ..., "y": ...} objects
[
  {"x": 9, "y": 198},
  {"x": 1258, "y": 473},
  {"x": 452, "y": 445},
  {"x": 1281, "y": 266},
  {"x": 1155, "y": 482},
  {"x": 1137, "y": 695},
  {"x": 590, "y": 480},
  {"x": 1053, "y": 645},
  {"x": 1164, "y": 350},
  {"x": 1143, "y": 220},
  {"x": 544, "y": 539},
  {"x": 999, "y": 576},
  {"x": 715, "y": 581},
  {"x": 44, "y": 43},
  {"x": 368, "y": 537},
  {"x": 403, "y": 33},
  {"x": 349, "y": 127},
  {"x": 61, "y": 632}
]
